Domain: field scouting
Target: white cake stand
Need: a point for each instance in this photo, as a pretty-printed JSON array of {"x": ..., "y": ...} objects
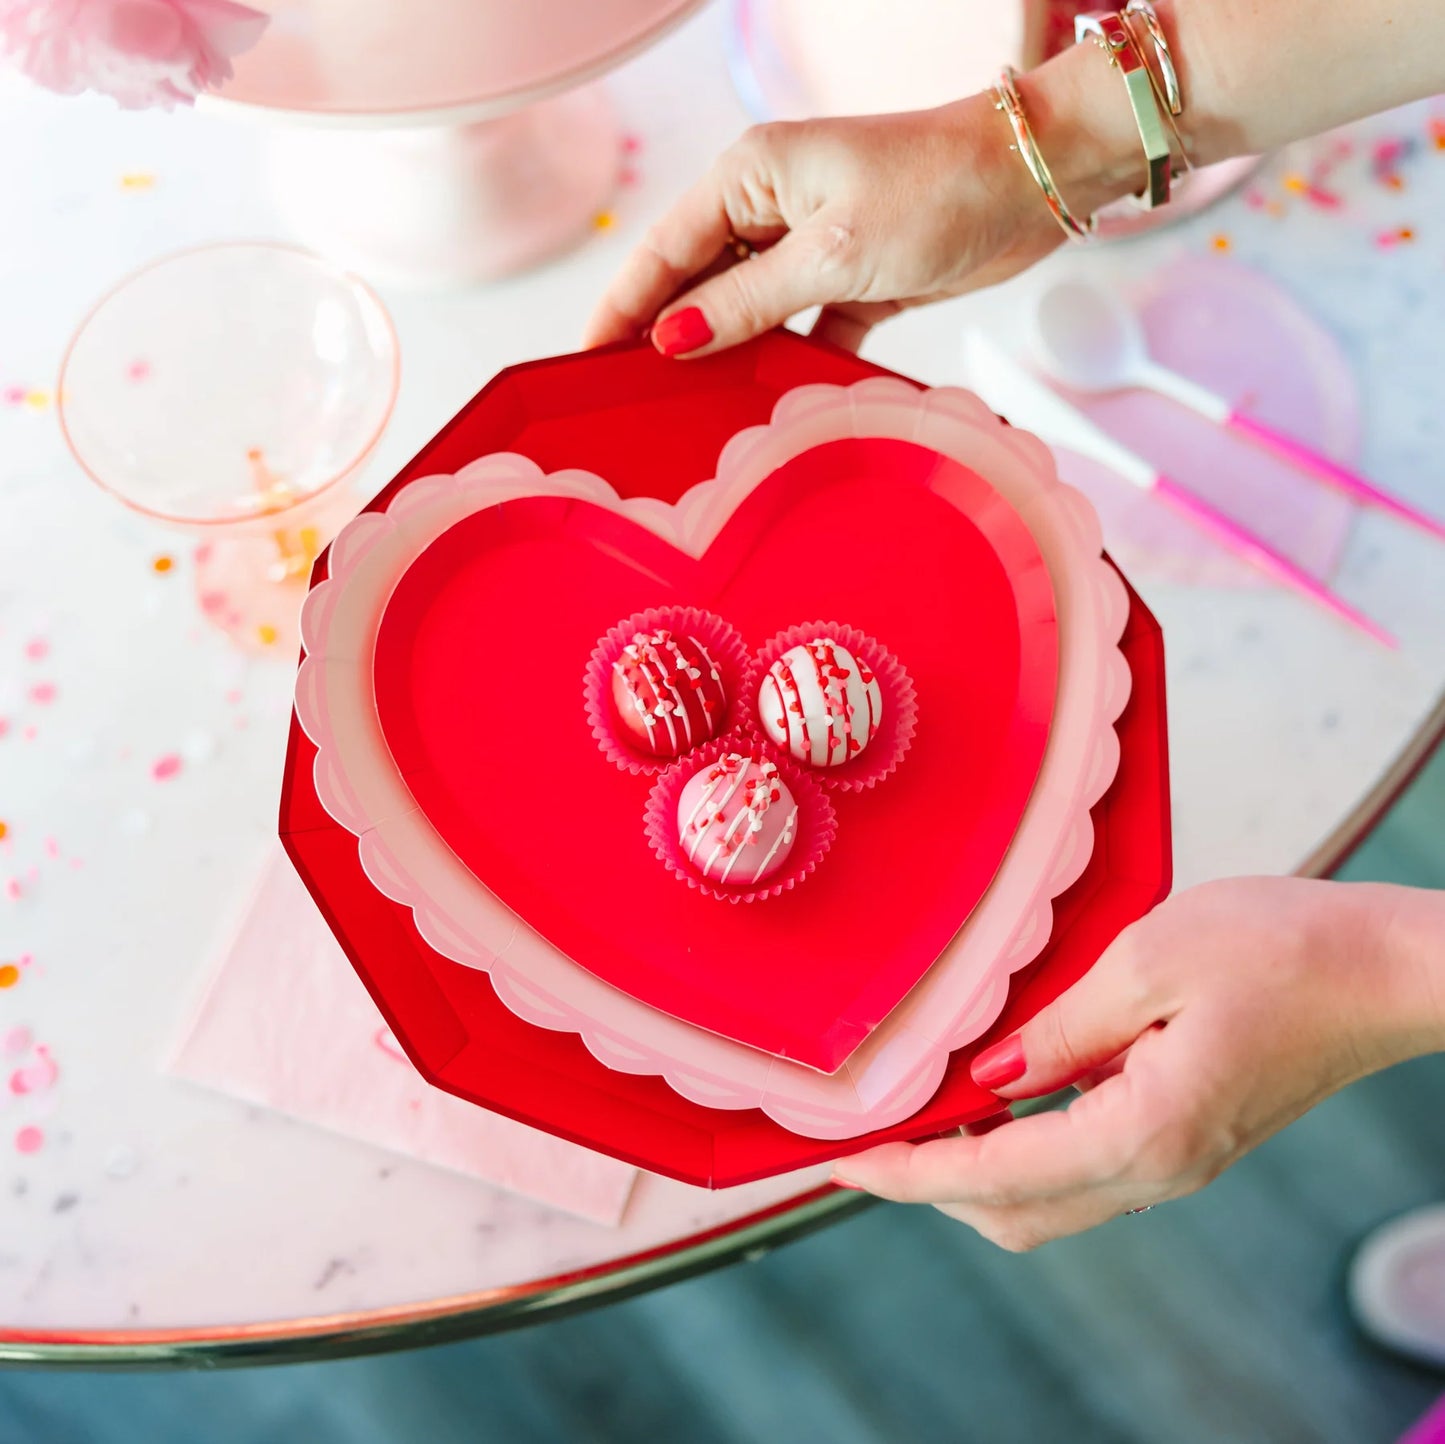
[{"x": 437, "y": 142}]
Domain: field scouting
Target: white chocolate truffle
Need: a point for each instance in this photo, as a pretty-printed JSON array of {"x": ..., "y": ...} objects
[{"x": 821, "y": 702}]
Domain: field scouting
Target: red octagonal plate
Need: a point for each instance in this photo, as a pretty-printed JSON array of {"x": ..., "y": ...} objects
[{"x": 587, "y": 411}]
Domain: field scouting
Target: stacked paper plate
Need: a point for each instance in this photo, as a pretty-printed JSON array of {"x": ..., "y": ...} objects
[{"x": 487, "y": 865}]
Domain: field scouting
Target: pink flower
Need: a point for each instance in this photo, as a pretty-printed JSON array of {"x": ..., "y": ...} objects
[{"x": 139, "y": 52}]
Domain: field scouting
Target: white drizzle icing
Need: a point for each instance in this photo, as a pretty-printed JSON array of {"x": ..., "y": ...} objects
[
  {"x": 728, "y": 775},
  {"x": 646, "y": 654},
  {"x": 816, "y": 715}
]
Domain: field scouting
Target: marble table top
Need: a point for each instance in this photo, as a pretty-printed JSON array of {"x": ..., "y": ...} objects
[{"x": 155, "y": 1205}]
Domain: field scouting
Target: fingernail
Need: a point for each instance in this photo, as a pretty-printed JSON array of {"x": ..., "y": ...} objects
[
  {"x": 1000, "y": 1065},
  {"x": 681, "y": 332},
  {"x": 843, "y": 1183}
]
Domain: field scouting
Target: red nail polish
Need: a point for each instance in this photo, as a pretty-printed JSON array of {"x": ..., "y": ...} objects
[
  {"x": 682, "y": 332},
  {"x": 1000, "y": 1065}
]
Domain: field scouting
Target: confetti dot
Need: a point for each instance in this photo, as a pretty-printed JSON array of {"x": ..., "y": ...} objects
[
  {"x": 39, "y": 1077},
  {"x": 1394, "y": 181},
  {"x": 631, "y": 144},
  {"x": 37, "y": 649},
  {"x": 162, "y": 564},
  {"x": 29, "y": 1140},
  {"x": 30, "y": 733},
  {"x": 233, "y": 696},
  {"x": 603, "y": 221},
  {"x": 1325, "y": 200},
  {"x": 37, "y": 400},
  {"x": 9, "y": 975},
  {"x": 1392, "y": 149},
  {"x": 1295, "y": 184},
  {"x": 629, "y": 176},
  {"x": 13, "y": 890},
  {"x": 4, "y": 831},
  {"x": 44, "y": 693},
  {"x": 1220, "y": 243},
  {"x": 1437, "y": 132},
  {"x": 16, "y": 1042},
  {"x": 1399, "y": 236},
  {"x": 266, "y": 634},
  {"x": 4, "y": 725},
  {"x": 164, "y": 768},
  {"x": 138, "y": 370},
  {"x": 52, "y": 848},
  {"x": 139, "y": 180},
  {"x": 14, "y": 395}
]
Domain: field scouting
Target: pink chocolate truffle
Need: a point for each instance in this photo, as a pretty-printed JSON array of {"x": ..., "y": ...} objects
[
  {"x": 737, "y": 820},
  {"x": 667, "y": 693}
]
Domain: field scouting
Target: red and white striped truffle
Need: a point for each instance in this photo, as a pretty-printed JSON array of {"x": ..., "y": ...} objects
[
  {"x": 821, "y": 702},
  {"x": 667, "y": 693},
  {"x": 737, "y": 820}
]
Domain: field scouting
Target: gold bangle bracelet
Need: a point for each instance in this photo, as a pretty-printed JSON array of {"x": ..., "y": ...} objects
[
  {"x": 1173, "y": 97},
  {"x": 1008, "y": 100},
  {"x": 1166, "y": 83},
  {"x": 1113, "y": 36},
  {"x": 1162, "y": 98}
]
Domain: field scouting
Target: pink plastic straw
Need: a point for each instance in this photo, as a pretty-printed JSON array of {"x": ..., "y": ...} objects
[
  {"x": 1331, "y": 471},
  {"x": 1246, "y": 544}
]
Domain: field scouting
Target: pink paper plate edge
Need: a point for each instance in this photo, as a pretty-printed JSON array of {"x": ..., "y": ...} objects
[{"x": 895, "y": 1072}]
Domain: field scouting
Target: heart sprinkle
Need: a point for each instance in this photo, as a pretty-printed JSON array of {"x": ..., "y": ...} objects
[
  {"x": 821, "y": 703},
  {"x": 667, "y": 693},
  {"x": 737, "y": 820}
]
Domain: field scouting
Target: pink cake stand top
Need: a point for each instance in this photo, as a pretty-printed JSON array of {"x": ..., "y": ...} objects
[{"x": 435, "y": 61}]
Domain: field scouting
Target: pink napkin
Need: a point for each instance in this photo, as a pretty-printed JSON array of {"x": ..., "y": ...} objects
[{"x": 286, "y": 1023}]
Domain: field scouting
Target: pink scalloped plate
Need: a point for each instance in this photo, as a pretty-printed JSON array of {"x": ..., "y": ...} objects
[
  {"x": 476, "y": 680},
  {"x": 899, "y": 1066}
]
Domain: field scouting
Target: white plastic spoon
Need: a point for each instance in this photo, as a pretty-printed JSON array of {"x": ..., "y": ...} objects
[
  {"x": 1090, "y": 339},
  {"x": 1012, "y": 392}
]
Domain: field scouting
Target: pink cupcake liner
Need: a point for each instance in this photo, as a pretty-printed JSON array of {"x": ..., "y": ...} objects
[
  {"x": 724, "y": 645},
  {"x": 817, "y": 824},
  {"x": 887, "y": 747}
]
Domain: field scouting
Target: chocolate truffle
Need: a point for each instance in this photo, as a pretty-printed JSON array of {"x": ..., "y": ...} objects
[
  {"x": 821, "y": 703},
  {"x": 737, "y": 820},
  {"x": 667, "y": 693}
]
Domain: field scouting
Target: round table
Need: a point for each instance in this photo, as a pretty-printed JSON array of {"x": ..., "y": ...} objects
[{"x": 162, "y": 1223}]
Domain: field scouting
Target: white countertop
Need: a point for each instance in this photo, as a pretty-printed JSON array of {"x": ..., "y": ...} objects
[{"x": 154, "y": 1204}]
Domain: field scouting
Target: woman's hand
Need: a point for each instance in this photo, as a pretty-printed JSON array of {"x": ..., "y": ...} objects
[
  {"x": 868, "y": 215},
  {"x": 1207, "y": 1026}
]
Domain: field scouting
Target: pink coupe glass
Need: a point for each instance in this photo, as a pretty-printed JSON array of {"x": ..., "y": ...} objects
[{"x": 233, "y": 391}]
